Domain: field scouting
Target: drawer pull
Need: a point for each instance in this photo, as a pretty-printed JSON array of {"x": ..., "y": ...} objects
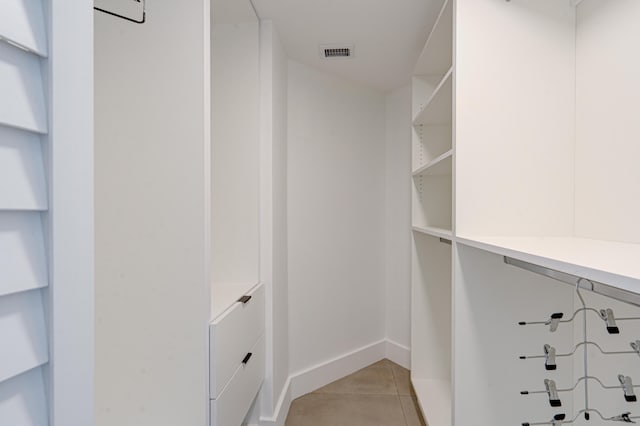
[
  {"x": 247, "y": 358},
  {"x": 244, "y": 299}
]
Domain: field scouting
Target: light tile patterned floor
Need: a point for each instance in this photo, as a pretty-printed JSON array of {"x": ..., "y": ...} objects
[{"x": 378, "y": 395}]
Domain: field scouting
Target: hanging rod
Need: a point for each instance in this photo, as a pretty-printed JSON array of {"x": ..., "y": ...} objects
[
  {"x": 574, "y": 280},
  {"x": 126, "y": 18}
]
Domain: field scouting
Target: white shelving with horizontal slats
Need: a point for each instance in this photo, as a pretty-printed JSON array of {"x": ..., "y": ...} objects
[
  {"x": 23, "y": 196},
  {"x": 22, "y": 24},
  {"x": 42, "y": 95}
]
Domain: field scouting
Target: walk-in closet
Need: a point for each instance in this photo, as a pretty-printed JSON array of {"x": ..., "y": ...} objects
[{"x": 319, "y": 213}]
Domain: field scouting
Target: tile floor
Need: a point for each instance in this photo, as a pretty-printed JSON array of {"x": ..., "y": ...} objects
[{"x": 378, "y": 395}]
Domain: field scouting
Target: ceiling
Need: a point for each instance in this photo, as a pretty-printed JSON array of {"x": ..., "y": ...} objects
[{"x": 388, "y": 35}]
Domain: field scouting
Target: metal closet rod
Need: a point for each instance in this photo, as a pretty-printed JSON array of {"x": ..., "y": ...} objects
[
  {"x": 126, "y": 18},
  {"x": 574, "y": 280}
]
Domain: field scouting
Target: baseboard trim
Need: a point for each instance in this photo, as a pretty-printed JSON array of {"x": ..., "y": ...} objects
[
  {"x": 398, "y": 353},
  {"x": 313, "y": 378},
  {"x": 282, "y": 407}
]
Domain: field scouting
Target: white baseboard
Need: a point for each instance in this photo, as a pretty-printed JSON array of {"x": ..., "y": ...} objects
[
  {"x": 322, "y": 374},
  {"x": 398, "y": 353},
  {"x": 315, "y": 377},
  {"x": 282, "y": 407}
]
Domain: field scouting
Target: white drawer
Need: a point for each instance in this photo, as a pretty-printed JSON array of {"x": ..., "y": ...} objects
[
  {"x": 232, "y": 335},
  {"x": 234, "y": 402}
]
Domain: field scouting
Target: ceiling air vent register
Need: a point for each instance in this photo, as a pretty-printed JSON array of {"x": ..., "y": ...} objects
[{"x": 336, "y": 51}]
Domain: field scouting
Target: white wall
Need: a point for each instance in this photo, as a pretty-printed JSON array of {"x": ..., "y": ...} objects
[
  {"x": 607, "y": 151},
  {"x": 235, "y": 130},
  {"x": 527, "y": 118},
  {"x": 273, "y": 226},
  {"x": 398, "y": 216},
  {"x": 151, "y": 297},
  {"x": 336, "y": 215}
]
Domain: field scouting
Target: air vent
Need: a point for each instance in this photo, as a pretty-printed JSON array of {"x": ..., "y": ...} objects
[{"x": 335, "y": 51}]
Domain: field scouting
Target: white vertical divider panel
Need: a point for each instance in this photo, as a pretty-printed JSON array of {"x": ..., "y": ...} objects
[
  {"x": 23, "y": 263},
  {"x": 69, "y": 223},
  {"x": 22, "y": 180},
  {"x": 22, "y": 24},
  {"x": 22, "y": 323},
  {"x": 22, "y": 90}
]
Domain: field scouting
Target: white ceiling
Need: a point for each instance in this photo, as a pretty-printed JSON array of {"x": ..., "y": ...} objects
[{"x": 388, "y": 35}]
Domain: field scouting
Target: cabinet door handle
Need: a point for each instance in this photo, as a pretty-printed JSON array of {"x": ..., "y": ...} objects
[
  {"x": 244, "y": 299},
  {"x": 247, "y": 358}
]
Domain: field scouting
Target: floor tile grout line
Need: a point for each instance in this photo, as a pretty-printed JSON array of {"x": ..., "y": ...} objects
[{"x": 404, "y": 415}]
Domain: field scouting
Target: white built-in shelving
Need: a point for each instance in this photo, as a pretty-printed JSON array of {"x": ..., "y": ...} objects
[
  {"x": 436, "y": 110},
  {"x": 432, "y": 222},
  {"x": 510, "y": 116}
]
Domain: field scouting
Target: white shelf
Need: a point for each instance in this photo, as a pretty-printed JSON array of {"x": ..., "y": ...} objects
[
  {"x": 436, "y": 57},
  {"x": 438, "y": 108},
  {"x": 223, "y": 295},
  {"x": 434, "y": 231},
  {"x": 434, "y": 397},
  {"x": 441, "y": 165},
  {"x": 613, "y": 263}
]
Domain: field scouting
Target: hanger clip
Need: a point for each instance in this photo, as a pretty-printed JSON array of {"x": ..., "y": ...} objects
[
  {"x": 554, "y": 321},
  {"x": 627, "y": 386},
  {"x": 624, "y": 417},
  {"x": 552, "y": 391},
  {"x": 550, "y": 357},
  {"x": 610, "y": 319}
]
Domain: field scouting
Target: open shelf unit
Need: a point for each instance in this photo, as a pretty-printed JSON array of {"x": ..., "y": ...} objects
[
  {"x": 432, "y": 222},
  {"x": 439, "y": 166},
  {"x": 485, "y": 118},
  {"x": 434, "y": 231},
  {"x": 436, "y": 110}
]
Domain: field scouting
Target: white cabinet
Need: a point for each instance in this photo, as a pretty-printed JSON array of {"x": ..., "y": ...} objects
[
  {"x": 232, "y": 335},
  {"x": 236, "y": 331},
  {"x": 533, "y": 163},
  {"x": 232, "y": 404}
]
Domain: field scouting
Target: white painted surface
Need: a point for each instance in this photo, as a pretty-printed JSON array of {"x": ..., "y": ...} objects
[
  {"x": 330, "y": 370},
  {"x": 400, "y": 354},
  {"x": 273, "y": 216},
  {"x": 225, "y": 12},
  {"x": 515, "y": 132},
  {"x": 152, "y": 296},
  {"x": 336, "y": 191},
  {"x": 607, "y": 175},
  {"x": 431, "y": 309},
  {"x": 235, "y": 132},
  {"x": 437, "y": 56},
  {"x": 232, "y": 336},
  {"x": 388, "y": 36},
  {"x": 490, "y": 299},
  {"x": 608, "y": 262},
  {"x": 22, "y": 22},
  {"x": 434, "y": 397},
  {"x": 398, "y": 216},
  {"x": 235, "y": 400},
  {"x": 437, "y": 109},
  {"x": 23, "y": 265},
  {"x": 22, "y": 180},
  {"x": 23, "y": 401},
  {"x": 21, "y": 82},
  {"x": 24, "y": 332}
]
